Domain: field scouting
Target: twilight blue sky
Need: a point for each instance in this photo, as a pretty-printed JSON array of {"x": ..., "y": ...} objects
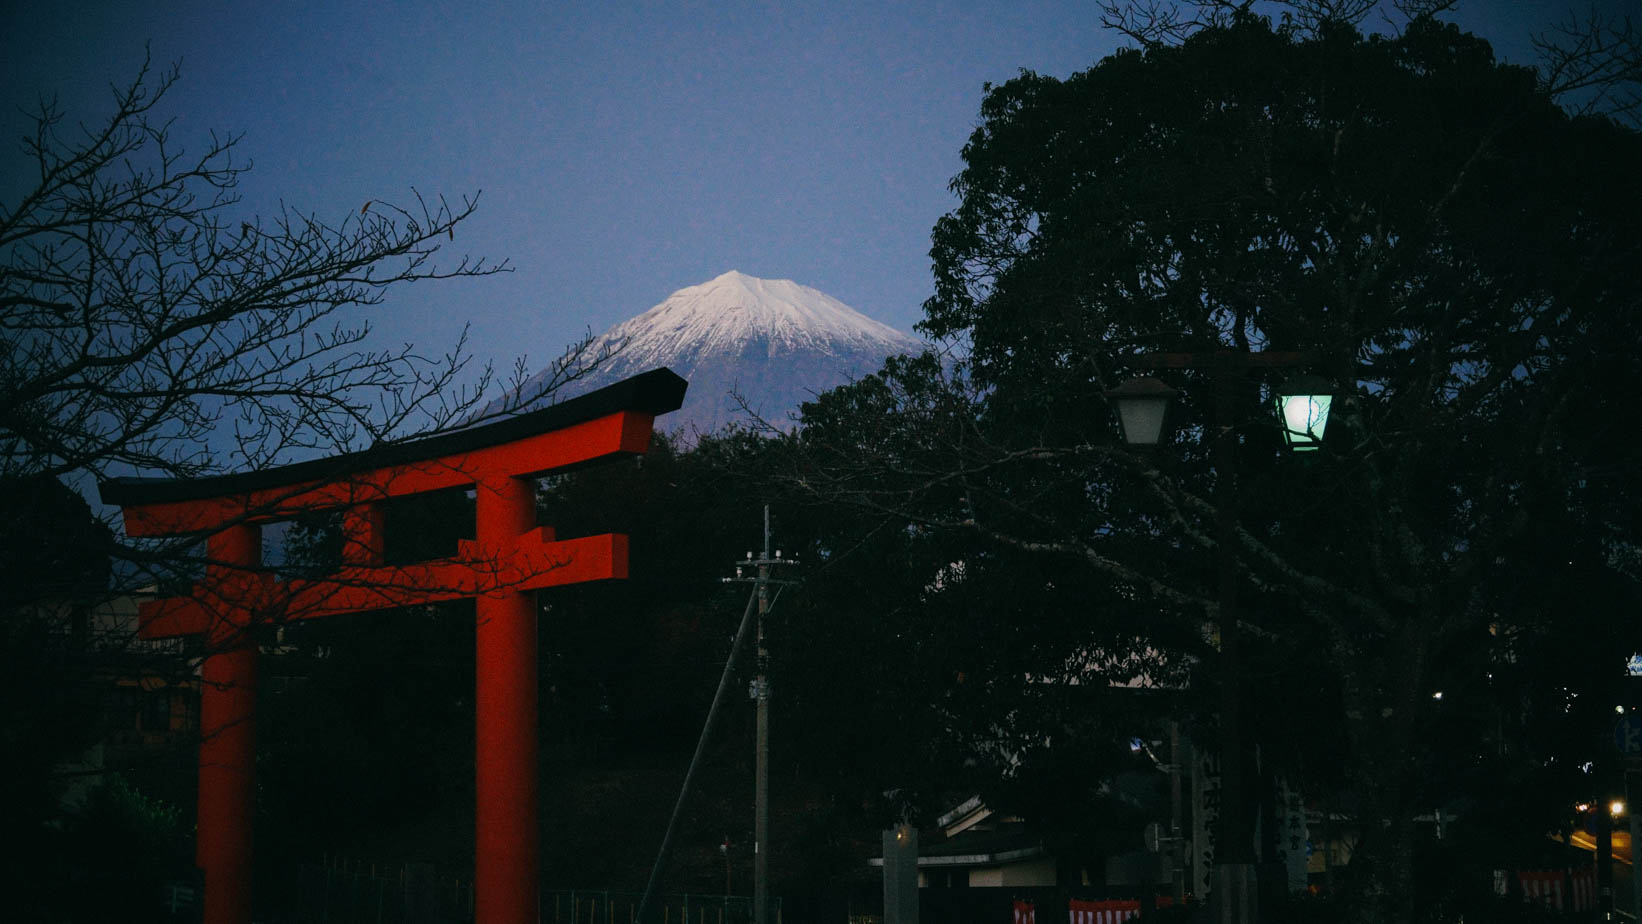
[{"x": 624, "y": 150}]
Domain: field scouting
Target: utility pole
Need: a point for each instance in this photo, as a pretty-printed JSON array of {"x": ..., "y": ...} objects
[
  {"x": 1635, "y": 810},
  {"x": 761, "y": 692},
  {"x": 1235, "y": 885},
  {"x": 761, "y": 786}
]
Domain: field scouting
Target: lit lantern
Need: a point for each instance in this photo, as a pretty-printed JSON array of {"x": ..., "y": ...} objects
[{"x": 1302, "y": 404}]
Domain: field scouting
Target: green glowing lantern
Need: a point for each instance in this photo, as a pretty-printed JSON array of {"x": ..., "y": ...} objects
[{"x": 1302, "y": 405}]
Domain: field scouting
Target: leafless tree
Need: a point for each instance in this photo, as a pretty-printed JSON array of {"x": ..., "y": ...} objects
[
  {"x": 151, "y": 323},
  {"x": 143, "y": 313},
  {"x": 1592, "y": 62}
]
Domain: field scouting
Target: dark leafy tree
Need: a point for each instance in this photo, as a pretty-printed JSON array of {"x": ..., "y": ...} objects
[
  {"x": 982, "y": 656},
  {"x": 1464, "y": 259},
  {"x": 55, "y": 566},
  {"x": 125, "y": 846}
]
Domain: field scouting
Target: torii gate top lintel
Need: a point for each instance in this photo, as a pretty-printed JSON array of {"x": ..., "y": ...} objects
[
  {"x": 614, "y": 420},
  {"x": 509, "y": 552}
]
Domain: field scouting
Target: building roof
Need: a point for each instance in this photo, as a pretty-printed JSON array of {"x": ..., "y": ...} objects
[{"x": 972, "y": 835}]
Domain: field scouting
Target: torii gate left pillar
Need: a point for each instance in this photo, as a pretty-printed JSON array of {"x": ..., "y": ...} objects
[{"x": 509, "y": 559}]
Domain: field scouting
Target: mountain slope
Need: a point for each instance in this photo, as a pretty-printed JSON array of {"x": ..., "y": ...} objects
[{"x": 772, "y": 341}]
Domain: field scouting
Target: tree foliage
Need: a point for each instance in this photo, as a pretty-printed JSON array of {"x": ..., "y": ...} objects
[{"x": 1464, "y": 260}]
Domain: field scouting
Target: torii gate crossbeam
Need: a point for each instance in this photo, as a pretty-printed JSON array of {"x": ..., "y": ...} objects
[{"x": 509, "y": 558}]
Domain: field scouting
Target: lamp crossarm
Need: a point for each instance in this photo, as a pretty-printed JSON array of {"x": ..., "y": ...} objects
[{"x": 1270, "y": 359}]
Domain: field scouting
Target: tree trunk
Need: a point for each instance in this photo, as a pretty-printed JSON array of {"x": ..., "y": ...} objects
[{"x": 1382, "y": 694}]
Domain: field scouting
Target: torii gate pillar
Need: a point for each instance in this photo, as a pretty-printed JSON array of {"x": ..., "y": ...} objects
[
  {"x": 508, "y": 560},
  {"x": 228, "y": 745},
  {"x": 507, "y": 837}
]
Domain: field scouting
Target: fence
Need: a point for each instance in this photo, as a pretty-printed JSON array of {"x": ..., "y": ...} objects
[
  {"x": 1080, "y": 911},
  {"x": 581, "y": 906},
  {"x": 1556, "y": 889},
  {"x": 342, "y": 890},
  {"x": 347, "y": 891}
]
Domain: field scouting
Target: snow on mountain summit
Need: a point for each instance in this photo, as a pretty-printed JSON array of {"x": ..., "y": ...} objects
[
  {"x": 772, "y": 341},
  {"x": 735, "y": 309}
]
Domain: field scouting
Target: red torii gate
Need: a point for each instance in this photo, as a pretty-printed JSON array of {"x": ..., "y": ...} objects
[{"x": 509, "y": 558}]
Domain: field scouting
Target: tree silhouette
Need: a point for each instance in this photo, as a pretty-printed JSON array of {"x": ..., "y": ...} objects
[{"x": 1463, "y": 258}]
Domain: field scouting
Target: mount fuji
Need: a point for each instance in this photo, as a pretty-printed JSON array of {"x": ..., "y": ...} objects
[{"x": 772, "y": 341}]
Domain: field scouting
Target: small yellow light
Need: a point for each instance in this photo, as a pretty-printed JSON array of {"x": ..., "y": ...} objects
[
  {"x": 1582, "y": 806},
  {"x": 1616, "y": 808}
]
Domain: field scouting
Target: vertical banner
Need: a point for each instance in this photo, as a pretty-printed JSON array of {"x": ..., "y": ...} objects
[
  {"x": 1293, "y": 839},
  {"x": 1205, "y": 818}
]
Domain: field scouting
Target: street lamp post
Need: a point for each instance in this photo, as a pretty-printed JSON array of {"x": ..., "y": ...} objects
[{"x": 1303, "y": 406}]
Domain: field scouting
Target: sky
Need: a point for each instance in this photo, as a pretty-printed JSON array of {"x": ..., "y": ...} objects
[{"x": 621, "y": 150}]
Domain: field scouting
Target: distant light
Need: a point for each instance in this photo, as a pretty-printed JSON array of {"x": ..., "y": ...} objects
[
  {"x": 1582, "y": 806},
  {"x": 1634, "y": 665},
  {"x": 1616, "y": 808},
  {"x": 1437, "y": 695}
]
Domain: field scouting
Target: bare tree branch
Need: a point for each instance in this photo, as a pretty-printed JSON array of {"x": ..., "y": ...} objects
[
  {"x": 1592, "y": 63},
  {"x": 140, "y": 315}
]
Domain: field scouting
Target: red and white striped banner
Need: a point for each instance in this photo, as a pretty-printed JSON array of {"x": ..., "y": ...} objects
[
  {"x": 1113, "y": 911},
  {"x": 1584, "y": 888},
  {"x": 1108, "y": 912},
  {"x": 1543, "y": 886}
]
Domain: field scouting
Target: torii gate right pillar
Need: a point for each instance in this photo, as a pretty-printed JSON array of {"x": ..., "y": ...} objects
[{"x": 507, "y": 835}]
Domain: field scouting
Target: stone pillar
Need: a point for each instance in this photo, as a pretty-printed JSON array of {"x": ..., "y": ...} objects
[{"x": 901, "y": 874}]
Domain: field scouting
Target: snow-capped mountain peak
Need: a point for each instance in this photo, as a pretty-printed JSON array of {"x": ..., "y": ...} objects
[
  {"x": 735, "y": 309},
  {"x": 773, "y": 342}
]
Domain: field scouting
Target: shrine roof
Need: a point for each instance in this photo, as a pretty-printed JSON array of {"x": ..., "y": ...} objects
[{"x": 655, "y": 392}]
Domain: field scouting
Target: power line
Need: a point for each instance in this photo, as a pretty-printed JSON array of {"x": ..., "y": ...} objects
[{"x": 759, "y": 602}]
